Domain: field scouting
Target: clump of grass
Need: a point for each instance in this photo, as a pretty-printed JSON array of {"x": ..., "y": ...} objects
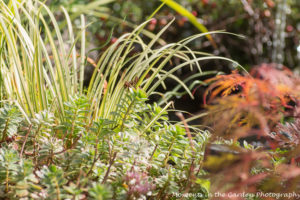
[
  {"x": 40, "y": 70},
  {"x": 76, "y": 142}
]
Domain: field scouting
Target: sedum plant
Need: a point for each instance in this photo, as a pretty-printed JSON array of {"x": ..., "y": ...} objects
[{"x": 46, "y": 161}]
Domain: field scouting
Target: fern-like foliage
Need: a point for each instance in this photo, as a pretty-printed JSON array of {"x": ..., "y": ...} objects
[
  {"x": 78, "y": 157},
  {"x": 10, "y": 117},
  {"x": 75, "y": 121},
  {"x": 134, "y": 112}
]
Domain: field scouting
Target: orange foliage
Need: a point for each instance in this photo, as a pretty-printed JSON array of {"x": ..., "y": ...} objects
[
  {"x": 241, "y": 105},
  {"x": 254, "y": 105}
]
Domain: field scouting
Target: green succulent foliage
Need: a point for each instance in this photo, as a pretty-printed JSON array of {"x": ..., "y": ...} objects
[
  {"x": 53, "y": 179},
  {"x": 10, "y": 117},
  {"x": 8, "y": 168},
  {"x": 173, "y": 157},
  {"x": 133, "y": 112},
  {"x": 75, "y": 120},
  {"x": 99, "y": 192},
  {"x": 100, "y": 154},
  {"x": 16, "y": 175}
]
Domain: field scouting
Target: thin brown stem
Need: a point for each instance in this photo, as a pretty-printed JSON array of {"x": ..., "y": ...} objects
[
  {"x": 96, "y": 157},
  {"x": 188, "y": 132},
  {"x": 190, "y": 179},
  {"x": 153, "y": 152},
  {"x": 125, "y": 116},
  {"x": 109, "y": 167},
  {"x": 25, "y": 140},
  {"x": 66, "y": 149}
]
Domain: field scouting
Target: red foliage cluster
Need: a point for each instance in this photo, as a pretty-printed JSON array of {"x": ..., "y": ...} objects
[
  {"x": 254, "y": 104},
  {"x": 263, "y": 105}
]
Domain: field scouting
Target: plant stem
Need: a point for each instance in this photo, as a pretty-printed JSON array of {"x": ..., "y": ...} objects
[
  {"x": 7, "y": 175},
  {"x": 190, "y": 179},
  {"x": 125, "y": 116},
  {"x": 25, "y": 140},
  {"x": 95, "y": 157},
  {"x": 154, "y": 150},
  {"x": 169, "y": 152},
  {"x": 58, "y": 191},
  {"x": 108, "y": 170},
  {"x": 34, "y": 144}
]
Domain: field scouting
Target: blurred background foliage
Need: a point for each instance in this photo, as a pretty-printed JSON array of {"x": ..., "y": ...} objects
[{"x": 267, "y": 25}]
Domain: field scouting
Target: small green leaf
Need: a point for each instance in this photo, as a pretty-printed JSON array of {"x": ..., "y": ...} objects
[
  {"x": 184, "y": 12},
  {"x": 204, "y": 183}
]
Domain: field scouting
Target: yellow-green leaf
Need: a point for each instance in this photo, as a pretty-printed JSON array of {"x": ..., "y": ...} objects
[
  {"x": 184, "y": 12},
  {"x": 204, "y": 183}
]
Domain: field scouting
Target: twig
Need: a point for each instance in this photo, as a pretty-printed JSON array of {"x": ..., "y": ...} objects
[
  {"x": 188, "y": 132},
  {"x": 95, "y": 157},
  {"x": 25, "y": 140},
  {"x": 108, "y": 170},
  {"x": 125, "y": 116},
  {"x": 72, "y": 146},
  {"x": 153, "y": 152},
  {"x": 247, "y": 7},
  {"x": 78, "y": 178},
  {"x": 191, "y": 176},
  {"x": 190, "y": 179}
]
